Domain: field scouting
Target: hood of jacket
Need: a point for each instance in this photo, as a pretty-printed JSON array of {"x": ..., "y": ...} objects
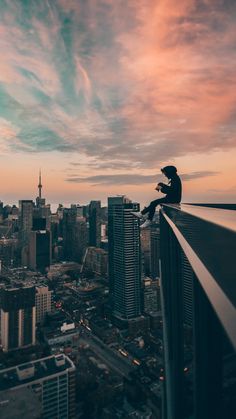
[{"x": 169, "y": 171}]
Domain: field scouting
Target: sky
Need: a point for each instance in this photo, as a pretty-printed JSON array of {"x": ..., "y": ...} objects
[{"x": 101, "y": 94}]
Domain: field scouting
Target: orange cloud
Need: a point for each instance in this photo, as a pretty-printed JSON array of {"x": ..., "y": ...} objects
[{"x": 182, "y": 60}]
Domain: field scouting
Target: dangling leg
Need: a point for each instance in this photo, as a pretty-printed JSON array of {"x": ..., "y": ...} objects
[{"x": 150, "y": 210}]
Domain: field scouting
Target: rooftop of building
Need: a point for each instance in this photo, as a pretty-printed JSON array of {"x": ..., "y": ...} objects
[
  {"x": 13, "y": 286},
  {"x": 14, "y": 279},
  {"x": 22, "y": 275},
  {"x": 52, "y": 333},
  {"x": 26, "y": 404},
  {"x": 34, "y": 371},
  {"x": 97, "y": 249}
]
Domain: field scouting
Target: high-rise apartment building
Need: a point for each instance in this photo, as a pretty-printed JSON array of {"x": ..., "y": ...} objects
[
  {"x": 43, "y": 303},
  {"x": 25, "y": 219},
  {"x": 18, "y": 317},
  {"x": 40, "y": 389},
  {"x": 95, "y": 223},
  {"x": 25, "y": 225},
  {"x": 40, "y": 250},
  {"x": 44, "y": 211},
  {"x": 75, "y": 235},
  {"x": 124, "y": 258},
  {"x": 80, "y": 239},
  {"x": 68, "y": 231}
]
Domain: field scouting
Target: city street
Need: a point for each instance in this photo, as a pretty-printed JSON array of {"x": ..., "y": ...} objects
[{"x": 112, "y": 359}]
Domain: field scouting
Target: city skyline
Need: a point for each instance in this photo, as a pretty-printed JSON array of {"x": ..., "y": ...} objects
[{"x": 102, "y": 94}]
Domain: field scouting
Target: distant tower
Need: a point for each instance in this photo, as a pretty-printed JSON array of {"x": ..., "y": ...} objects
[
  {"x": 40, "y": 185},
  {"x": 40, "y": 202}
]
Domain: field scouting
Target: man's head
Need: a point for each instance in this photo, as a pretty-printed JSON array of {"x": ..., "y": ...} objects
[{"x": 169, "y": 171}]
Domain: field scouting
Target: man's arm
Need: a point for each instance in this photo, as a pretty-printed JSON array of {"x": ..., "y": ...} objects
[{"x": 163, "y": 187}]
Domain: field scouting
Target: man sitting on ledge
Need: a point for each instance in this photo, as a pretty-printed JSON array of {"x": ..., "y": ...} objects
[{"x": 173, "y": 193}]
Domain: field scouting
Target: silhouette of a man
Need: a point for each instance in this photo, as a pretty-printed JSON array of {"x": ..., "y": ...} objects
[{"x": 173, "y": 193}]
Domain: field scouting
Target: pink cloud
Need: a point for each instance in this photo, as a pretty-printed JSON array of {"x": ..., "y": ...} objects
[{"x": 175, "y": 59}]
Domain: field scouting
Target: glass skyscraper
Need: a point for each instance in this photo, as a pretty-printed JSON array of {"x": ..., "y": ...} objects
[{"x": 124, "y": 258}]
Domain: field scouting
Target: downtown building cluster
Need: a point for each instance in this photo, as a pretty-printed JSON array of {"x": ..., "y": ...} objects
[
  {"x": 77, "y": 234},
  {"x": 139, "y": 292}
]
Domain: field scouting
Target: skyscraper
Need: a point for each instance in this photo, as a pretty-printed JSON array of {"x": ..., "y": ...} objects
[
  {"x": 26, "y": 207},
  {"x": 68, "y": 231},
  {"x": 80, "y": 239},
  {"x": 124, "y": 258},
  {"x": 40, "y": 250},
  {"x": 75, "y": 237},
  {"x": 25, "y": 219},
  {"x": 18, "y": 317},
  {"x": 95, "y": 223}
]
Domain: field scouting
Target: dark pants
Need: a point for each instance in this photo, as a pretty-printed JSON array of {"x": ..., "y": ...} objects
[{"x": 152, "y": 207}]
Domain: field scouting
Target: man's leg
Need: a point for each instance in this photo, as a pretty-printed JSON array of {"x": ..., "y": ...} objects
[{"x": 152, "y": 207}]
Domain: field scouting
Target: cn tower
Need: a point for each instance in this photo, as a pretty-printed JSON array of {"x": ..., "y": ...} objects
[{"x": 40, "y": 185}]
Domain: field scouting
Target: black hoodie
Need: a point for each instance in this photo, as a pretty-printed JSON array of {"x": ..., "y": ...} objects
[{"x": 173, "y": 191}]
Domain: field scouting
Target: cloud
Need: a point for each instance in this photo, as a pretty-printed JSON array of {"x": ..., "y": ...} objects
[
  {"x": 123, "y": 84},
  {"x": 7, "y": 133},
  {"x": 226, "y": 191},
  {"x": 133, "y": 179}
]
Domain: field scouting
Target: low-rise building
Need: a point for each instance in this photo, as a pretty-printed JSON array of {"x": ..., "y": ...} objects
[{"x": 56, "y": 337}]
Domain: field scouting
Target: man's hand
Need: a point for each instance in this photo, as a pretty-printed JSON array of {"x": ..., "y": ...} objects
[{"x": 158, "y": 187}]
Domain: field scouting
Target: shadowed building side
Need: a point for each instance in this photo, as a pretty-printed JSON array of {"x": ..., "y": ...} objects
[
  {"x": 18, "y": 317},
  {"x": 198, "y": 247}
]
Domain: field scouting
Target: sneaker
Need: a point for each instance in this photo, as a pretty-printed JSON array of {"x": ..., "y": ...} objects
[
  {"x": 146, "y": 224},
  {"x": 137, "y": 214}
]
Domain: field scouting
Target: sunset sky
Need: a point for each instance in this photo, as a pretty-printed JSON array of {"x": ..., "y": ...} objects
[{"x": 101, "y": 94}]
